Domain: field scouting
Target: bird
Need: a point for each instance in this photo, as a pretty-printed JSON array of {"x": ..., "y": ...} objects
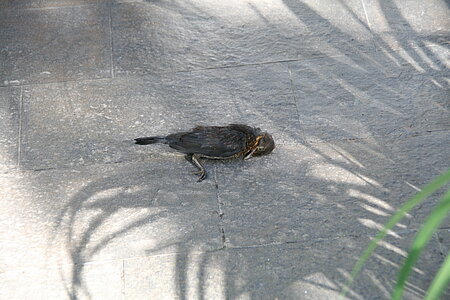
[{"x": 216, "y": 142}]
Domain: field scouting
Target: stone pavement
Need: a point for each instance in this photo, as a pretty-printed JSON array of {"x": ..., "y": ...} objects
[{"x": 355, "y": 93}]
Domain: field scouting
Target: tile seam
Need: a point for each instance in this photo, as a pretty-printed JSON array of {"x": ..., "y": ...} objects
[
  {"x": 19, "y": 138},
  {"x": 111, "y": 42}
]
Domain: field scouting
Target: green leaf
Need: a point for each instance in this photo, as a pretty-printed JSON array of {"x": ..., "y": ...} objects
[
  {"x": 432, "y": 222},
  {"x": 440, "y": 281},
  {"x": 417, "y": 199}
]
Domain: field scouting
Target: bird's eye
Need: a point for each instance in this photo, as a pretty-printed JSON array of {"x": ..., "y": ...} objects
[{"x": 260, "y": 148}]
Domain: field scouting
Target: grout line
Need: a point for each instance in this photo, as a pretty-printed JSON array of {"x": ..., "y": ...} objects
[
  {"x": 295, "y": 103},
  {"x": 144, "y": 75},
  {"x": 441, "y": 248},
  {"x": 59, "y": 82},
  {"x": 19, "y": 142},
  {"x": 111, "y": 42},
  {"x": 243, "y": 65},
  {"x": 168, "y": 254},
  {"x": 366, "y": 14},
  {"x": 49, "y": 7},
  {"x": 254, "y": 64},
  {"x": 299, "y": 243},
  {"x": 219, "y": 210}
]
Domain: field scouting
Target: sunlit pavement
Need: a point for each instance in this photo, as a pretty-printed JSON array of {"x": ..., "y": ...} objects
[{"x": 355, "y": 93}]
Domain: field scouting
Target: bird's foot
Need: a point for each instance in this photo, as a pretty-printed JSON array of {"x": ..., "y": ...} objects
[
  {"x": 202, "y": 174},
  {"x": 195, "y": 160}
]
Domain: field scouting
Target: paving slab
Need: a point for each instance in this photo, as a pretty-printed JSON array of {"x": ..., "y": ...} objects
[
  {"x": 423, "y": 210},
  {"x": 425, "y": 154},
  {"x": 97, "y": 281},
  {"x": 315, "y": 269},
  {"x": 54, "y": 44},
  {"x": 364, "y": 96},
  {"x": 424, "y": 158},
  {"x": 9, "y": 123},
  {"x": 263, "y": 98},
  {"x": 105, "y": 212},
  {"x": 409, "y": 20},
  {"x": 321, "y": 190},
  {"x": 418, "y": 31},
  {"x": 79, "y": 123},
  {"x": 158, "y": 37}
]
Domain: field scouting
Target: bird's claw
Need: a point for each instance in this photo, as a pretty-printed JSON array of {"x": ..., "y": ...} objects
[{"x": 202, "y": 175}]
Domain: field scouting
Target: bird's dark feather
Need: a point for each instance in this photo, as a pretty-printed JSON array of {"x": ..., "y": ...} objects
[{"x": 211, "y": 141}]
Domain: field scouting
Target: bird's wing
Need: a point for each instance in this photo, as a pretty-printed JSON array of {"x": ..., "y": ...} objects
[{"x": 209, "y": 141}]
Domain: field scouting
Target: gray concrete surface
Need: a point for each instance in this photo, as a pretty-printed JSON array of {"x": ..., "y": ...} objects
[{"x": 355, "y": 93}]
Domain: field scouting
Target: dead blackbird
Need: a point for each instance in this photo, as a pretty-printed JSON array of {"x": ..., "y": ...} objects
[{"x": 216, "y": 142}]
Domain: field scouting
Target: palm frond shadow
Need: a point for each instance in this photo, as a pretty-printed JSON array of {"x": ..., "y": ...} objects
[{"x": 244, "y": 266}]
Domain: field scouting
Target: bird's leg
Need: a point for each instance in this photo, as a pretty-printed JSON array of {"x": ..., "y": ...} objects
[
  {"x": 197, "y": 164},
  {"x": 188, "y": 157},
  {"x": 202, "y": 171}
]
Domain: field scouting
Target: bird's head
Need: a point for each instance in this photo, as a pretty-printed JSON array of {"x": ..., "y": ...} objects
[{"x": 265, "y": 145}]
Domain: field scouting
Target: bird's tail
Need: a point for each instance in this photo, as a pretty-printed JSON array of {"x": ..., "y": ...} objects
[{"x": 150, "y": 140}]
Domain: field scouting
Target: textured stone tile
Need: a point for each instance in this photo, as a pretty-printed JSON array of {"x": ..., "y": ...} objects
[
  {"x": 54, "y": 44},
  {"x": 189, "y": 275},
  {"x": 301, "y": 192},
  {"x": 415, "y": 29},
  {"x": 105, "y": 212},
  {"x": 166, "y": 36},
  {"x": 97, "y": 281},
  {"x": 423, "y": 158},
  {"x": 90, "y": 122},
  {"x": 350, "y": 97},
  {"x": 310, "y": 270},
  {"x": 263, "y": 97},
  {"x": 325, "y": 189},
  {"x": 423, "y": 211},
  {"x": 104, "y": 117},
  {"x": 417, "y": 159},
  {"x": 9, "y": 124},
  {"x": 426, "y": 19},
  {"x": 426, "y": 155}
]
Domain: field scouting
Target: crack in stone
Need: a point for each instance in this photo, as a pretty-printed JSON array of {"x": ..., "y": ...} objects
[
  {"x": 19, "y": 138},
  {"x": 111, "y": 44},
  {"x": 219, "y": 210}
]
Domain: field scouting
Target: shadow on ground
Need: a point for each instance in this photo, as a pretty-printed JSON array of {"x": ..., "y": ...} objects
[
  {"x": 291, "y": 225},
  {"x": 295, "y": 222}
]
